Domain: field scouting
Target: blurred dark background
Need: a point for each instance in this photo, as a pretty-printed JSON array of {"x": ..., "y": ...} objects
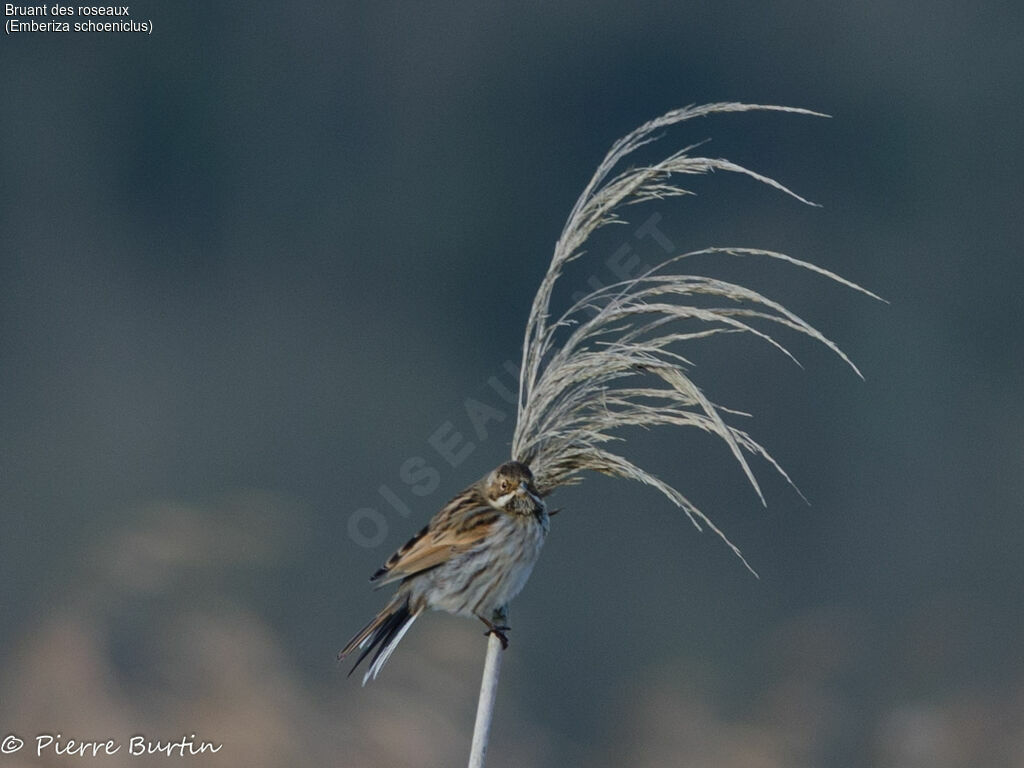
[{"x": 252, "y": 262}]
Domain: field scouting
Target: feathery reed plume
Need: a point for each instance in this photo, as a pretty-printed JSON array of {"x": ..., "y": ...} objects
[{"x": 610, "y": 360}]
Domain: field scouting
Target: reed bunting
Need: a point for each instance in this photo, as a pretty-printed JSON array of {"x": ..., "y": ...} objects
[
  {"x": 471, "y": 559},
  {"x": 610, "y": 362}
]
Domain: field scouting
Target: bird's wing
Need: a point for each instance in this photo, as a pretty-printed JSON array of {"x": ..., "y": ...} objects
[{"x": 460, "y": 525}]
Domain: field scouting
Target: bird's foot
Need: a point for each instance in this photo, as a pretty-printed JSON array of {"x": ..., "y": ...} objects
[{"x": 498, "y": 630}]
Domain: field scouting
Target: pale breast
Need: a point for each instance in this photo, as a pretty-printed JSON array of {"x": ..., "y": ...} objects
[{"x": 488, "y": 576}]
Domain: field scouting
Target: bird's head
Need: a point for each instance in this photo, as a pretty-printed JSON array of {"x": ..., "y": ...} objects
[{"x": 510, "y": 488}]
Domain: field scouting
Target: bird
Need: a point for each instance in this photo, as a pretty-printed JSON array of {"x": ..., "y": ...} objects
[
  {"x": 471, "y": 559},
  {"x": 604, "y": 365}
]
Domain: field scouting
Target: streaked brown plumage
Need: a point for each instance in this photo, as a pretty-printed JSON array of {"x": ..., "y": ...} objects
[{"x": 471, "y": 559}]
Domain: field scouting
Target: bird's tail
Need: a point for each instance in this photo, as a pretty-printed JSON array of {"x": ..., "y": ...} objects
[{"x": 383, "y": 634}]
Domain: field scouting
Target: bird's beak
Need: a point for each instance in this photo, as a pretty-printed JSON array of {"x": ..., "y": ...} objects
[{"x": 524, "y": 490}]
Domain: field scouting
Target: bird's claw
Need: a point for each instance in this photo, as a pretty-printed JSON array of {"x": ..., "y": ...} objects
[{"x": 498, "y": 630}]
